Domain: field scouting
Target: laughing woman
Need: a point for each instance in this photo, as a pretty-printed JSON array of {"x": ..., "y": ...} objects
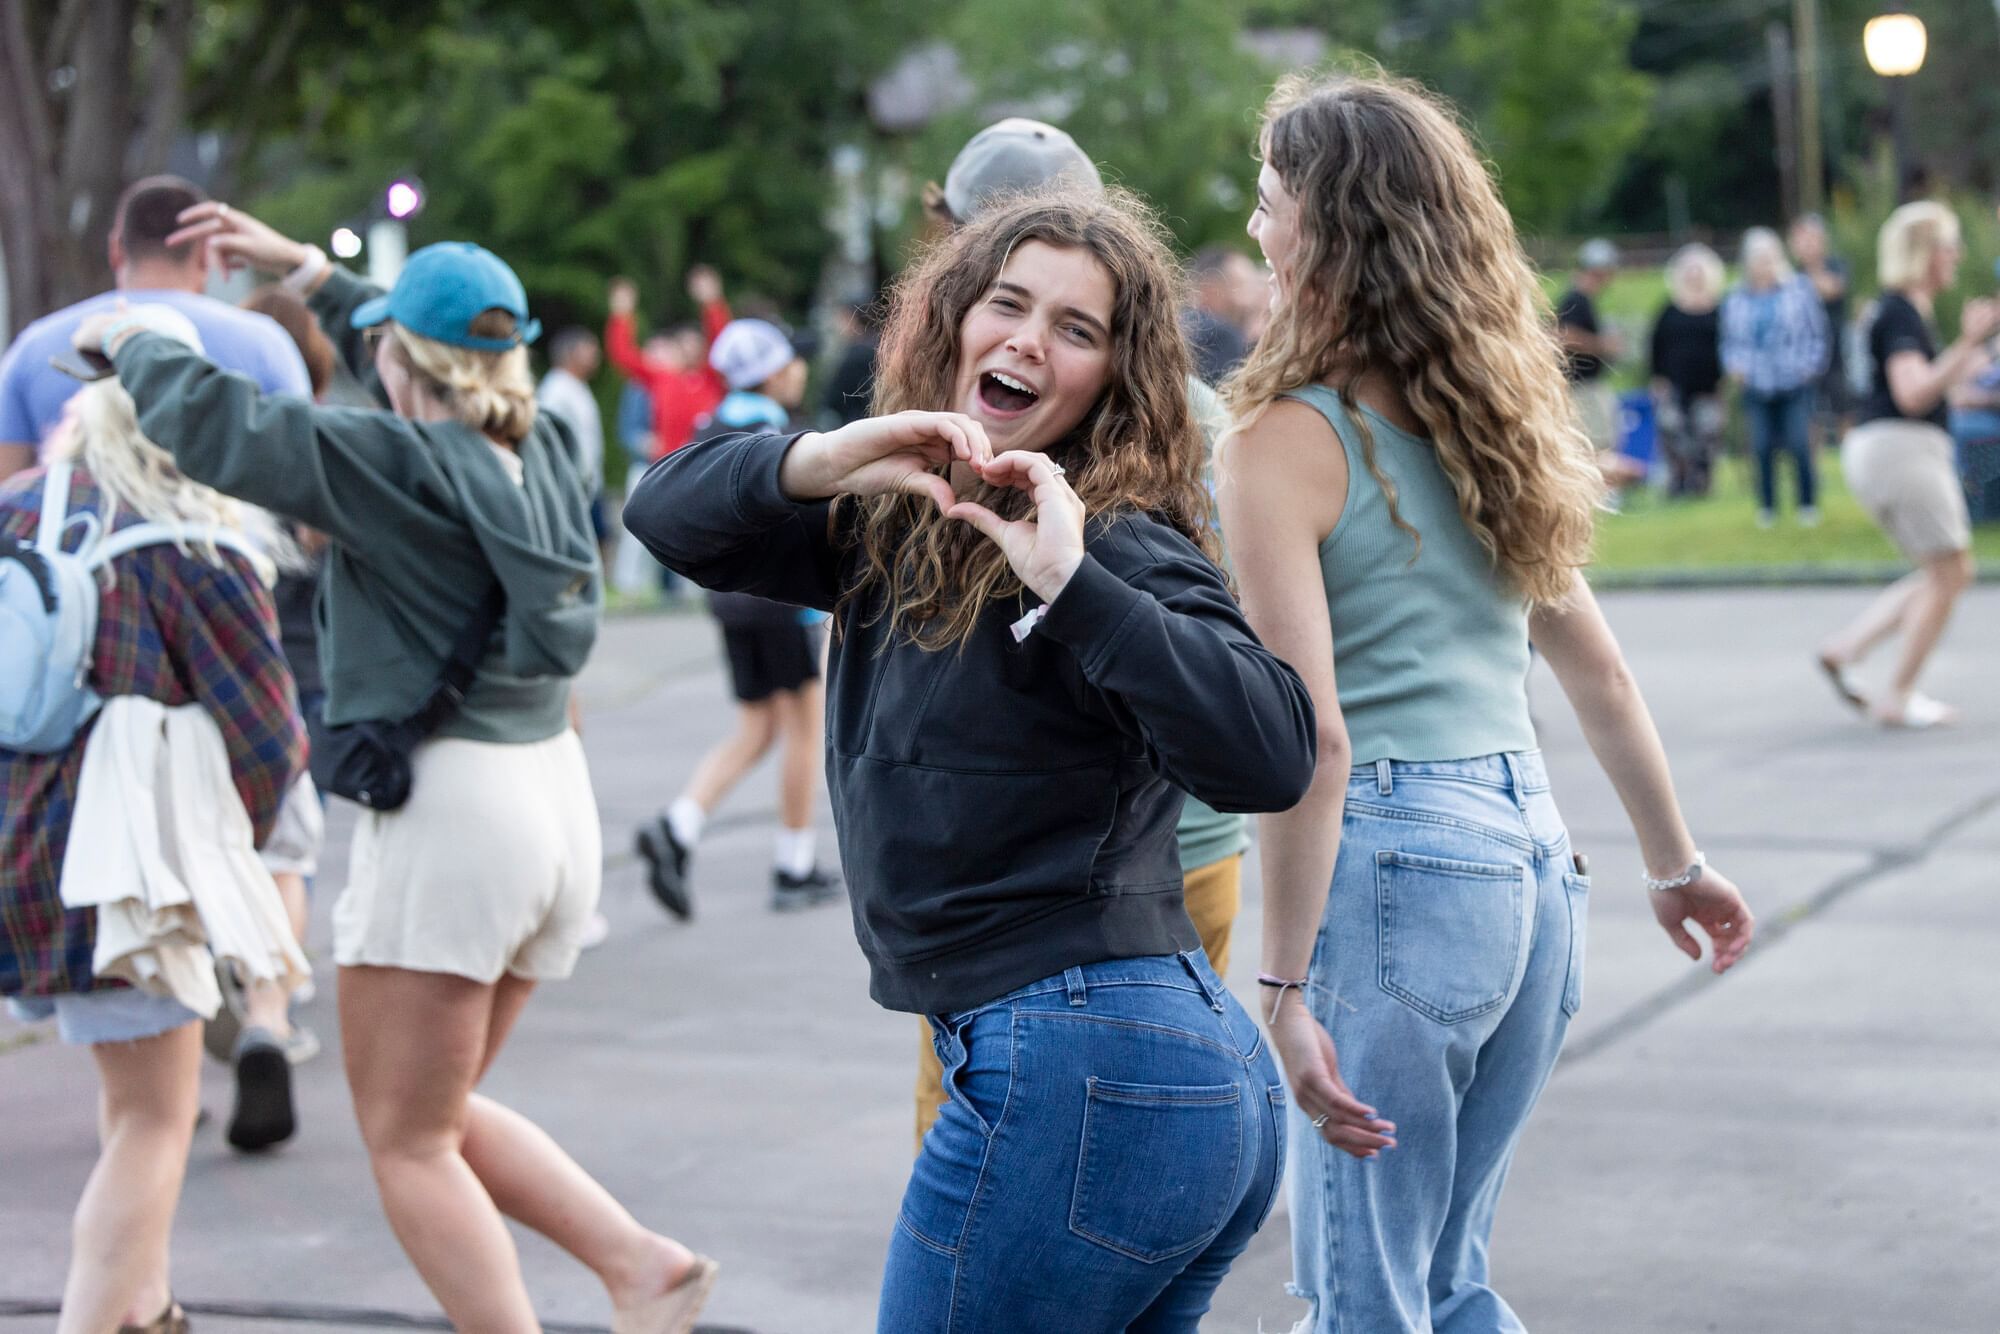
[
  {"x": 1411, "y": 490},
  {"x": 1034, "y": 652}
]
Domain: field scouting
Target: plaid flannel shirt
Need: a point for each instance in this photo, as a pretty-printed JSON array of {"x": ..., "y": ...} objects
[
  {"x": 174, "y": 628},
  {"x": 1781, "y": 353}
]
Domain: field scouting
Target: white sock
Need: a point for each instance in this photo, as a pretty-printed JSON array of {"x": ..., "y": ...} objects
[
  {"x": 795, "y": 853},
  {"x": 686, "y": 818}
]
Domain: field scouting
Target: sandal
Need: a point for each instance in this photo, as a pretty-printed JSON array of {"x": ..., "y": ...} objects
[
  {"x": 173, "y": 1320},
  {"x": 1836, "y": 673},
  {"x": 673, "y": 1311},
  {"x": 1920, "y": 713}
]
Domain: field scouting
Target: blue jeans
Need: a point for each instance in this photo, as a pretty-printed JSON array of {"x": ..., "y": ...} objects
[
  {"x": 115, "y": 1014},
  {"x": 1448, "y": 967},
  {"x": 1780, "y": 422},
  {"x": 1112, "y": 1139}
]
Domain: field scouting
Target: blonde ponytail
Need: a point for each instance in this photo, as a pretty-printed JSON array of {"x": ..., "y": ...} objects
[{"x": 491, "y": 392}]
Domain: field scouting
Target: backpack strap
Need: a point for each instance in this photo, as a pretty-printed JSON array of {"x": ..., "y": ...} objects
[
  {"x": 37, "y": 567},
  {"x": 178, "y": 534},
  {"x": 55, "y": 508}
]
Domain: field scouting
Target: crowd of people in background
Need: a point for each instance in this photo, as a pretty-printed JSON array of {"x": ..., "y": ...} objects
[
  {"x": 1773, "y": 349},
  {"x": 981, "y": 575}
]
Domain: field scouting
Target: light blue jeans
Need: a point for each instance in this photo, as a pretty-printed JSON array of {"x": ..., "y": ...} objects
[
  {"x": 1448, "y": 967},
  {"x": 1113, "y": 1138}
]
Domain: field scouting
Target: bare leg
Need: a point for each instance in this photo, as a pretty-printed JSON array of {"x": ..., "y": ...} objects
[
  {"x": 150, "y": 1096},
  {"x": 292, "y": 889},
  {"x": 267, "y": 1005},
  {"x": 1882, "y": 618},
  {"x": 1945, "y": 577},
  {"x": 415, "y": 1044},
  {"x": 724, "y": 766},
  {"x": 535, "y": 1183},
  {"x": 801, "y": 730}
]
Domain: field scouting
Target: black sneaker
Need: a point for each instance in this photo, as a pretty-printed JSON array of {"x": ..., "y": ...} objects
[
  {"x": 263, "y": 1116},
  {"x": 666, "y": 867},
  {"x": 790, "y": 893}
]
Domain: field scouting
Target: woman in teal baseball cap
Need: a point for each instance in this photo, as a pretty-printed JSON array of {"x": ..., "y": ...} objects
[{"x": 462, "y": 594}]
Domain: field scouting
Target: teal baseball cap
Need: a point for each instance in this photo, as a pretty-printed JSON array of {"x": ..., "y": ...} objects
[{"x": 444, "y": 288}]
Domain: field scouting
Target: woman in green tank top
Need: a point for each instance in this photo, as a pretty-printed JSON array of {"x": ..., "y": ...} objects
[{"x": 1408, "y": 491}]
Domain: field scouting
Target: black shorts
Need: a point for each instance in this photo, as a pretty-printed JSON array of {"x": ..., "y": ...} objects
[{"x": 766, "y": 660}]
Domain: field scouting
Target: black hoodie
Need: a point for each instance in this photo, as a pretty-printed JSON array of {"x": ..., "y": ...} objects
[{"x": 1006, "y": 809}]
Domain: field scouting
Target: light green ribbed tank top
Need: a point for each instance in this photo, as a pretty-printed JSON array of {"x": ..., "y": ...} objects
[{"x": 1430, "y": 654}]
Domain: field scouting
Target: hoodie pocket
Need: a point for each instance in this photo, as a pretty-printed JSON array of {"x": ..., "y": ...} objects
[{"x": 943, "y": 859}]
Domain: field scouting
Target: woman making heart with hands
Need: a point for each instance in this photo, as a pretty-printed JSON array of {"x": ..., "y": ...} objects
[
  {"x": 890, "y": 455},
  {"x": 1034, "y": 655}
]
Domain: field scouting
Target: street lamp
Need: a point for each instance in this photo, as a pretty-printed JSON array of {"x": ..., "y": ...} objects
[
  {"x": 389, "y": 237},
  {"x": 1895, "y": 44}
]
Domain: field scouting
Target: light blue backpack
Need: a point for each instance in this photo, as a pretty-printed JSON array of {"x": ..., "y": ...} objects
[{"x": 48, "y": 614}]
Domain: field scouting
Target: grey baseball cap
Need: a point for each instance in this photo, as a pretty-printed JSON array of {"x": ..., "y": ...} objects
[
  {"x": 1013, "y": 155},
  {"x": 1597, "y": 253}
]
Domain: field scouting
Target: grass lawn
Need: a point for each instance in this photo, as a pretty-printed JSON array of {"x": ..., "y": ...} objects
[{"x": 1651, "y": 533}]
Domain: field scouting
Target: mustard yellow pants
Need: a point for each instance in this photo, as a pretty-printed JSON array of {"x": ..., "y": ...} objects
[{"x": 1214, "y": 893}]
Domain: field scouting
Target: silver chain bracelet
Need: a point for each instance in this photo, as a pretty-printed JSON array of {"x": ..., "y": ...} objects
[{"x": 1681, "y": 881}]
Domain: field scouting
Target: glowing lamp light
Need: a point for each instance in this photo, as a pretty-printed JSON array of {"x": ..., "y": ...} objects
[
  {"x": 404, "y": 199},
  {"x": 346, "y": 242},
  {"x": 1895, "y": 44}
]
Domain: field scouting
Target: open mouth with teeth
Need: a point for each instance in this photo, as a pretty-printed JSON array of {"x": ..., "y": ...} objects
[{"x": 1005, "y": 395}]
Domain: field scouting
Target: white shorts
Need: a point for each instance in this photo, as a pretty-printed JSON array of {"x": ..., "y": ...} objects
[{"x": 491, "y": 867}]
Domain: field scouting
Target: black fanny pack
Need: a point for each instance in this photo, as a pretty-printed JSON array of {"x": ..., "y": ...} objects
[{"x": 369, "y": 762}]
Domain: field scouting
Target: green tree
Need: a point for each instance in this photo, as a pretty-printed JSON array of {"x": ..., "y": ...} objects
[
  {"x": 607, "y": 136},
  {"x": 1162, "y": 93},
  {"x": 1555, "y": 100},
  {"x": 96, "y": 92}
]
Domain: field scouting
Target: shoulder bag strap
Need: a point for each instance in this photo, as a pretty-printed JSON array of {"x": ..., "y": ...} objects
[{"x": 466, "y": 651}]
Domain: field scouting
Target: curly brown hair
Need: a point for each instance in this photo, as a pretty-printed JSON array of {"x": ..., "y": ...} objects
[
  {"x": 1408, "y": 265},
  {"x": 1137, "y": 449}
]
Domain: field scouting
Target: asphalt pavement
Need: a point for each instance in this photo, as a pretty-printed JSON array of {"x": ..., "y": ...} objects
[{"x": 1810, "y": 1144}]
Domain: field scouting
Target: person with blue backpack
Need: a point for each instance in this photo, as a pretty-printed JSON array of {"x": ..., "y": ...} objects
[
  {"x": 120, "y": 576},
  {"x": 462, "y": 595}
]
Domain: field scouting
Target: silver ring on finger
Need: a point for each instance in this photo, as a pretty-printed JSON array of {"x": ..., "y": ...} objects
[
  {"x": 222, "y": 211},
  {"x": 1058, "y": 469},
  {"x": 1320, "y": 1120}
]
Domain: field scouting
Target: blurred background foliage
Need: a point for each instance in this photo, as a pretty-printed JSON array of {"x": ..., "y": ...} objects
[{"x": 636, "y": 136}]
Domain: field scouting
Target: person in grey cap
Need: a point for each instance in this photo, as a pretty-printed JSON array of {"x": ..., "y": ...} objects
[
  {"x": 1016, "y": 156},
  {"x": 1013, "y": 156},
  {"x": 1591, "y": 349}
]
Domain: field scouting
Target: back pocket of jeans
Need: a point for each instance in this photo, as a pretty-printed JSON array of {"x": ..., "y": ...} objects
[
  {"x": 1450, "y": 932},
  {"x": 1576, "y": 888},
  {"x": 1156, "y": 1173}
]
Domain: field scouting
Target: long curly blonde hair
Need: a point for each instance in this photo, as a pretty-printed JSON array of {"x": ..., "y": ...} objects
[
  {"x": 1408, "y": 267},
  {"x": 1137, "y": 449}
]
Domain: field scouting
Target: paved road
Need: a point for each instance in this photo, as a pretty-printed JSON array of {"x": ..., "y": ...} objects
[{"x": 1811, "y": 1145}]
